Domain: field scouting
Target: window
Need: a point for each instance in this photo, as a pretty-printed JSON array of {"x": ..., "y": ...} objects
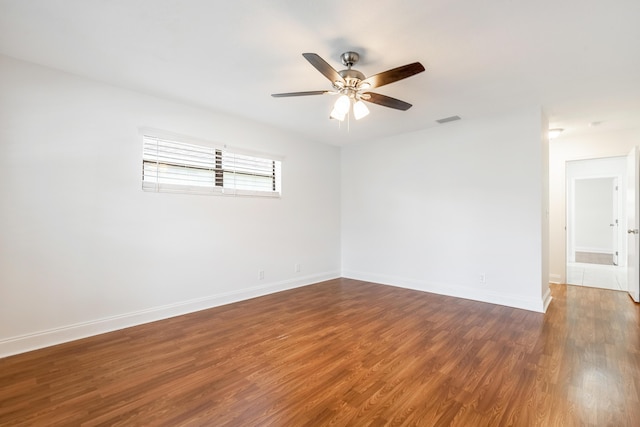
[{"x": 174, "y": 166}]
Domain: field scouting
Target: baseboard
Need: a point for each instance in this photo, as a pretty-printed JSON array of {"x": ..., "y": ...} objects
[
  {"x": 546, "y": 298},
  {"x": 555, "y": 278},
  {"x": 515, "y": 301},
  {"x": 46, "y": 338}
]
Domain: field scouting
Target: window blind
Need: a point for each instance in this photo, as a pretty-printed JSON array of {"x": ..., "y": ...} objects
[{"x": 175, "y": 166}]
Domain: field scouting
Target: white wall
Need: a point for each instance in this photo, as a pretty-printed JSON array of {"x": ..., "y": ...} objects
[
  {"x": 598, "y": 144},
  {"x": 436, "y": 209},
  {"x": 84, "y": 250}
]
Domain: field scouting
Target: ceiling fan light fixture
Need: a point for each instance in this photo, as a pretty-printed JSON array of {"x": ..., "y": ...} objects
[
  {"x": 335, "y": 114},
  {"x": 342, "y": 105},
  {"x": 360, "y": 110}
]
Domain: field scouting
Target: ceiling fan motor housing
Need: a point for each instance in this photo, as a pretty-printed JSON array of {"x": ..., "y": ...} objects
[{"x": 351, "y": 77}]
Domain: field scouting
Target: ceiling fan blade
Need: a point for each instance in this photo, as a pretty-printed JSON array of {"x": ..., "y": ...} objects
[
  {"x": 321, "y": 65},
  {"x": 394, "y": 75},
  {"x": 386, "y": 101},
  {"x": 311, "y": 92}
]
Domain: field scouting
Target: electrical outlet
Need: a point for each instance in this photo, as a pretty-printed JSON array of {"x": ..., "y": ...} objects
[
  {"x": 483, "y": 278},
  {"x": 261, "y": 274},
  {"x": 296, "y": 268}
]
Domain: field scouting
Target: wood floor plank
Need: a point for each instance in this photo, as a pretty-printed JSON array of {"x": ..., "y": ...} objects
[{"x": 345, "y": 352}]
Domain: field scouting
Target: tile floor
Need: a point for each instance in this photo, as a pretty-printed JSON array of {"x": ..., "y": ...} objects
[{"x": 597, "y": 276}]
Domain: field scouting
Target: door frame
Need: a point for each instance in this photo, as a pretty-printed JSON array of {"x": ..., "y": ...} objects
[
  {"x": 633, "y": 211},
  {"x": 593, "y": 167}
]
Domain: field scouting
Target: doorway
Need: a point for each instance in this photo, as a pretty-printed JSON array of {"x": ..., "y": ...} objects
[{"x": 595, "y": 221}]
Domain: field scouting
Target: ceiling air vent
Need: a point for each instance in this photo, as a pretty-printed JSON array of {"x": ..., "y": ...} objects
[{"x": 448, "y": 119}]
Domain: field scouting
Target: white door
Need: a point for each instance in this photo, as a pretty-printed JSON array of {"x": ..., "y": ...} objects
[{"x": 633, "y": 224}]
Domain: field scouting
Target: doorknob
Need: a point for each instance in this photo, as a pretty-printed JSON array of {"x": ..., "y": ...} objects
[{"x": 634, "y": 231}]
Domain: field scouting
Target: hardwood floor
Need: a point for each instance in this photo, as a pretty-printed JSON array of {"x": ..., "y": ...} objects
[{"x": 345, "y": 352}]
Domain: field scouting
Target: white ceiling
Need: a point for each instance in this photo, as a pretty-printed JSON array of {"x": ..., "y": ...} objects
[{"x": 578, "y": 59}]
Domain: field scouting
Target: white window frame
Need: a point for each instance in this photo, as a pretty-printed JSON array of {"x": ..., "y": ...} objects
[{"x": 175, "y": 164}]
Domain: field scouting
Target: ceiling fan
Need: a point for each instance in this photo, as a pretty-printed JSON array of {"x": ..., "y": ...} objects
[{"x": 353, "y": 86}]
